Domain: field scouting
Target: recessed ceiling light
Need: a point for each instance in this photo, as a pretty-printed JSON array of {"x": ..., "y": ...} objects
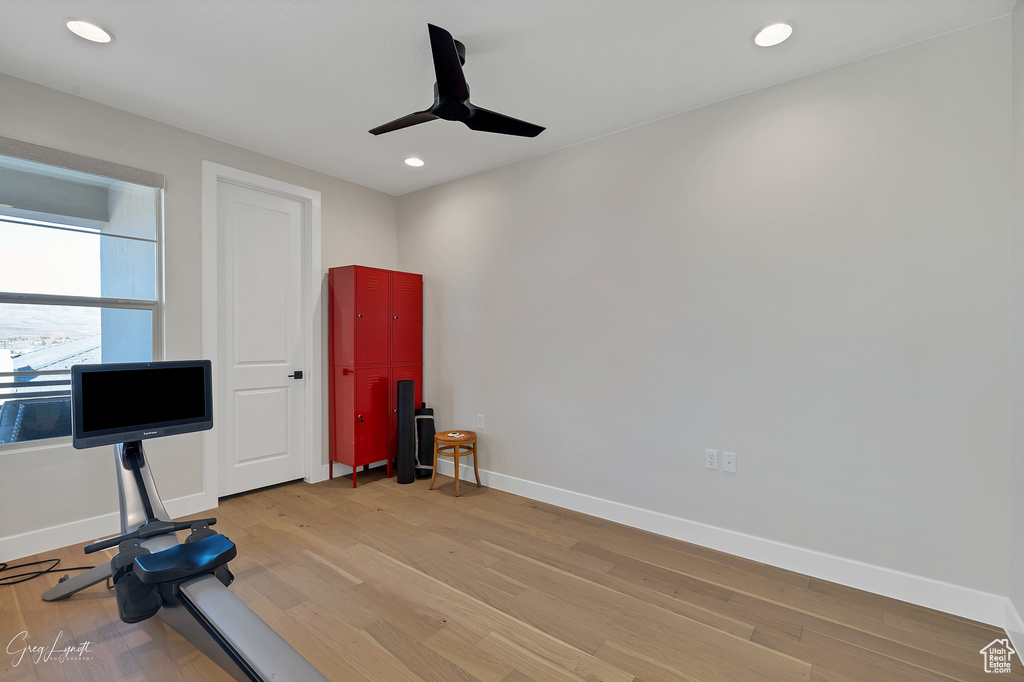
[
  {"x": 773, "y": 34},
  {"x": 88, "y": 31},
  {"x": 414, "y": 162}
]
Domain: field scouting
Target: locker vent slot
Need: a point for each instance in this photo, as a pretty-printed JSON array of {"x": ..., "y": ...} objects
[
  {"x": 407, "y": 287},
  {"x": 373, "y": 284}
]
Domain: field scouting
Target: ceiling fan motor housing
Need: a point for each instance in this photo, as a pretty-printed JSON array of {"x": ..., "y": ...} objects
[{"x": 451, "y": 109}]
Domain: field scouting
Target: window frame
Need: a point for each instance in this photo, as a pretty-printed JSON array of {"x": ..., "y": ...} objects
[{"x": 113, "y": 171}]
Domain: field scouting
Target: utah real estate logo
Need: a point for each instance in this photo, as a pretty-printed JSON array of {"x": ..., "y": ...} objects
[{"x": 997, "y": 656}]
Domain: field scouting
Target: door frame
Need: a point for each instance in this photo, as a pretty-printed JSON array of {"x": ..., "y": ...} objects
[{"x": 312, "y": 314}]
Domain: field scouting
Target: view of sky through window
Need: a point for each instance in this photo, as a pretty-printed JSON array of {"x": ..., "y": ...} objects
[
  {"x": 50, "y": 261},
  {"x": 47, "y": 261}
]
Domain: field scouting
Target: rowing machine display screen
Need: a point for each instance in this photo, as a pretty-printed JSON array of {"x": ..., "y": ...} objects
[{"x": 123, "y": 402}]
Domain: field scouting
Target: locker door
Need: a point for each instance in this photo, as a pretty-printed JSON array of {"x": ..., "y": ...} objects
[
  {"x": 371, "y": 316},
  {"x": 372, "y": 415},
  {"x": 342, "y": 407},
  {"x": 406, "y": 318},
  {"x": 340, "y": 315}
]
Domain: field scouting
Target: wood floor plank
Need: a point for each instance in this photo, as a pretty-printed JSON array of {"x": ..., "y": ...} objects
[
  {"x": 616, "y": 616},
  {"x": 461, "y": 547},
  {"x": 357, "y": 648},
  {"x": 411, "y": 651},
  {"x": 922, "y": 652},
  {"x": 463, "y": 608},
  {"x": 554, "y": 618},
  {"x": 794, "y": 592},
  {"x": 449, "y": 568},
  {"x": 531, "y": 664},
  {"x": 857, "y": 662},
  {"x": 575, "y": 661},
  {"x": 464, "y": 653},
  {"x": 685, "y": 596},
  {"x": 630, "y": 568},
  {"x": 650, "y": 668},
  {"x": 549, "y": 534}
]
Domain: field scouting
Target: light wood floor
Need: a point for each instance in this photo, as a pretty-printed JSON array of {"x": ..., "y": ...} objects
[{"x": 393, "y": 583}]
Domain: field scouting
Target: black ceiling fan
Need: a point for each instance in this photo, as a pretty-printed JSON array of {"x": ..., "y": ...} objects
[{"x": 451, "y": 95}]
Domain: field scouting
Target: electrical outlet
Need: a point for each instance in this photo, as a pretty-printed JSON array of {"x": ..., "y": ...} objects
[
  {"x": 479, "y": 421},
  {"x": 711, "y": 459},
  {"x": 729, "y": 462}
]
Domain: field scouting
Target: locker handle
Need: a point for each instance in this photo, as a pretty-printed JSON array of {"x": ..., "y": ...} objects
[
  {"x": 358, "y": 315},
  {"x": 360, "y": 418}
]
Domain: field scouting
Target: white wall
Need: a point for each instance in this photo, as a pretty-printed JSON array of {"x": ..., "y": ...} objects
[
  {"x": 813, "y": 276},
  {"x": 47, "y": 487}
]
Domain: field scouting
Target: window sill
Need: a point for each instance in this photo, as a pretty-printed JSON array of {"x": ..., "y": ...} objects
[{"x": 41, "y": 444}]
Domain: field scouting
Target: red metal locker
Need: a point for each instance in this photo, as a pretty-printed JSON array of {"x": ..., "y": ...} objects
[{"x": 375, "y": 321}]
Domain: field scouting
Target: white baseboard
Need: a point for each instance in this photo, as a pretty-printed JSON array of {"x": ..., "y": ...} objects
[
  {"x": 183, "y": 506},
  {"x": 961, "y": 601},
  {"x": 1014, "y": 626},
  {"x": 14, "y": 547}
]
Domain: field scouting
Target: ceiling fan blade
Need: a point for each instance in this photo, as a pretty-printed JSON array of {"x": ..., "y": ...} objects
[
  {"x": 451, "y": 82},
  {"x": 493, "y": 122},
  {"x": 404, "y": 122}
]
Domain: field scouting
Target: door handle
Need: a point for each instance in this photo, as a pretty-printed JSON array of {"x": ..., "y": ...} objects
[{"x": 297, "y": 375}]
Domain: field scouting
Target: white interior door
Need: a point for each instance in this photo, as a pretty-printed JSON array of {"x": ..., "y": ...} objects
[{"x": 260, "y": 275}]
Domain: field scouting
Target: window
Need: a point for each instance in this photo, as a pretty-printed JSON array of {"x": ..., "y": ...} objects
[{"x": 79, "y": 283}]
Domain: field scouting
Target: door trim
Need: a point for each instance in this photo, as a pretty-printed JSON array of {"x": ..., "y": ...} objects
[{"x": 312, "y": 313}]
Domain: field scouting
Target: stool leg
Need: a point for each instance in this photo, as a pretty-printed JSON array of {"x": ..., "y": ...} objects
[
  {"x": 457, "y": 477},
  {"x": 435, "y": 467},
  {"x": 475, "y": 470}
]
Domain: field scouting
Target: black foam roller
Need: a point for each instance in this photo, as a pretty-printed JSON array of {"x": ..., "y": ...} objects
[
  {"x": 425, "y": 442},
  {"x": 406, "y": 431}
]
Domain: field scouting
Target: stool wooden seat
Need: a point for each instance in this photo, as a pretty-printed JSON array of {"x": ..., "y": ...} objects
[{"x": 455, "y": 444}]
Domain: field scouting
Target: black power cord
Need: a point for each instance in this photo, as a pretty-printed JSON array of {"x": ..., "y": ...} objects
[{"x": 6, "y": 580}]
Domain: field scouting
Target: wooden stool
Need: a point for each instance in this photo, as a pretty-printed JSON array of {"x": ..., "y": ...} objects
[{"x": 454, "y": 444}]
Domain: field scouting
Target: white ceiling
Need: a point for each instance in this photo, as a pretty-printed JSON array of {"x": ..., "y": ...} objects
[{"x": 304, "y": 80}]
